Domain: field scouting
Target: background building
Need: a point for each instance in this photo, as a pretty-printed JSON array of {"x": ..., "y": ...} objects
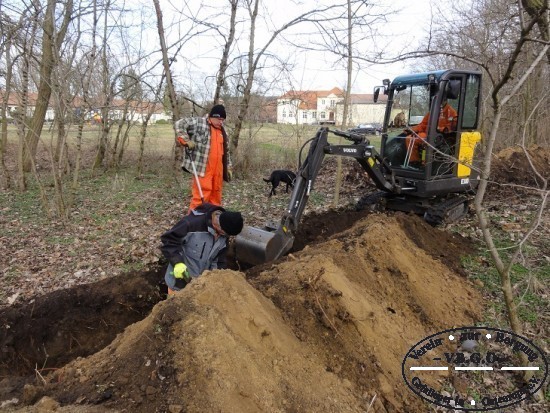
[
  {"x": 363, "y": 110},
  {"x": 319, "y": 107},
  {"x": 309, "y": 107}
]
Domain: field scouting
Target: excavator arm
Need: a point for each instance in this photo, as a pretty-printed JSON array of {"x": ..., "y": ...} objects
[{"x": 256, "y": 246}]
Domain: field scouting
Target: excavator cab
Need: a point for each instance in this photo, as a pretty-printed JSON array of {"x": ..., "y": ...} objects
[
  {"x": 435, "y": 152},
  {"x": 426, "y": 162}
]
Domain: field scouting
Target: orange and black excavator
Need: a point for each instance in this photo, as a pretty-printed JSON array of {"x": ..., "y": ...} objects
[{"x": 433, "y": 174}]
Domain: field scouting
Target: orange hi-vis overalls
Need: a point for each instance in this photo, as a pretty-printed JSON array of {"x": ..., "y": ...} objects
[
  {"x": 212, "y": 181},
  {"x": 446, "y": 123}
]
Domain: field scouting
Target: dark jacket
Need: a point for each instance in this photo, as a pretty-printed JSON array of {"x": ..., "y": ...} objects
[{"x": 192, "y": 241}]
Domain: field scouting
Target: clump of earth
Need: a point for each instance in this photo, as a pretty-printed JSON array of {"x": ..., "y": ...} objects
[{"x": 522, "y": 167}]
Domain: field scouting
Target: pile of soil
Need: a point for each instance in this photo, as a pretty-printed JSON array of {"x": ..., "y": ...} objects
[
  {"x": 323, "y": 329},
  {"x": 515, "y": 166}
]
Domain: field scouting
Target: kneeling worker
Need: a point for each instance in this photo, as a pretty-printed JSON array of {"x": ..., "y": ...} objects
[{"x": 198, "y": 242}]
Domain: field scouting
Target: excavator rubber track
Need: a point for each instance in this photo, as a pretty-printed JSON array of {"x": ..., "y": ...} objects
[{"x": 448, "y": 211}]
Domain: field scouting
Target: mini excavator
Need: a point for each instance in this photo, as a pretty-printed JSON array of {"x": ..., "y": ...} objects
[{"x": 437, "y": 182}]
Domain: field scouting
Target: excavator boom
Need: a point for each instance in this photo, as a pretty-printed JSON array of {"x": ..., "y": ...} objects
[{"x": 259, "y": 245}]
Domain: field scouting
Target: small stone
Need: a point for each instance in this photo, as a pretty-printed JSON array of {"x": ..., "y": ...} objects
[
  {"x": 468, "y": 345},
  {"x": 479, "y": 283},
  {"x": 30, "y": 394},
  {"x": 47, "y": 404},
  {"x": 175, "y": 408}
]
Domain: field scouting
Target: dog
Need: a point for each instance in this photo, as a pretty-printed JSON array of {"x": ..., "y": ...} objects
[{"x": 278, "y": 176}]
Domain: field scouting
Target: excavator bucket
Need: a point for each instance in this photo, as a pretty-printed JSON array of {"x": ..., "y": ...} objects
[{"x": 257, "y": 246}]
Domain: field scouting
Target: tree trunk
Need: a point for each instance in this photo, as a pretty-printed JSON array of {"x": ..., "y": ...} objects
[
  {"x": 114, "y": 161},
  {"x": 252, "y": 62},
  {"x": 78, "y": 157},
  {"x": 124, "y": 143},
  {"x": 107, "y": 95},
  {"x": 166, "y": 63},
  {"x": 220, "y": 79},
  {"x": 86, "y": 80},
  {"x": 5, "y": 183},
  {"x": 169, "y": 83},
  {"x": 50, "y": 43},
  {"x": 347, "y": 104}
]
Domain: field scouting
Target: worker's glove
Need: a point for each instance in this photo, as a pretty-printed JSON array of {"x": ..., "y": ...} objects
[
  {"x": 181, "y": 273},
  {"x": 189, "y": 143},
  {"x": 230, "y": 174}
]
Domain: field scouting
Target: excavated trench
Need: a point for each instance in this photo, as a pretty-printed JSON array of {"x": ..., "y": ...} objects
[{"x": 56, "y": 328}]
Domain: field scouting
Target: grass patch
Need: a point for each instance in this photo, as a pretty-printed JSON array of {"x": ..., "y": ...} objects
[
  {"x": 59, "y": 240},
  {"x": 529, "y": 280}
]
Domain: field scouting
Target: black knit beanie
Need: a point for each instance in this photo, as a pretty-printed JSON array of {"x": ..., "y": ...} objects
[
  {"x": 231, "y": 222},
  {"x": 218, "y": 111}
]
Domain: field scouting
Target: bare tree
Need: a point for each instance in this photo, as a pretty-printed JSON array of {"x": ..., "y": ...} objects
[
  {"x": 26, "y": 44},
  {"x": 166, "y": 61},
  {"x": 347, "y": 98},
  {"x": 504, "y": 88},
  {"x": 51, "y": 42},
  {"x": 255, "y": 56},
  {"x": 85, "y": 70},
  {"x": 8, "y": 30},
  {"x": 220, "y": 78},
  {"x": 107, "y": 89}
]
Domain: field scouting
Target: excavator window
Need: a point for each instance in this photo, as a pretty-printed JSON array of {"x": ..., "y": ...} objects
[
  {"x": 444, "y": 140},
  {"x": 415, "y": 145},
  {"x": 471, "y": 102}
]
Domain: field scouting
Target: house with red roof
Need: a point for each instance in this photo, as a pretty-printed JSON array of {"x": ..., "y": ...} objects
[
  {"x": 309, "y": 107},
  {"x": 135, "y": 111},
  {"x": 326, "y": 107}
]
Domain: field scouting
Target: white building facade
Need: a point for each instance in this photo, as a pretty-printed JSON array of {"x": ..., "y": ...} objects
[
  {"x": 362, "y": 110},
  {"x": 309, "y": 107}
]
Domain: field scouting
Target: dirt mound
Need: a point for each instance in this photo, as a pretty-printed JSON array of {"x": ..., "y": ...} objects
[
  {"x": 323, "y": 328},
  {"x": 511, "y": 165}
]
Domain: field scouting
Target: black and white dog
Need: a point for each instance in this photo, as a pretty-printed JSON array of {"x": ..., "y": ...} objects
[{"x": 278, "y": 176}]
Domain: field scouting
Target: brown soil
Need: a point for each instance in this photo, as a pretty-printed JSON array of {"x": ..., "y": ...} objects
[
  {"x": 323, "y": 328},
  {"x": 513, "y": 165}
]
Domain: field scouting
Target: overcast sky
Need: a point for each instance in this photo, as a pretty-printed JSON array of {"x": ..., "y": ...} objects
[
  {"x": 314, "y": 71},
  {"x": 406, "y": 28},
  {"x": 199, "y": 59}
]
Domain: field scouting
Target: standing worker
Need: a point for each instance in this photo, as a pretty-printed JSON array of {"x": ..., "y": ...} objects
[
  {"x": 209, "y": 145},
  {"x": 198, "y": 242}
]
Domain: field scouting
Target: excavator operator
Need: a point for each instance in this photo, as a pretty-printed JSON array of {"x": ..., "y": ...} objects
[{"x": 447, "y": 123}]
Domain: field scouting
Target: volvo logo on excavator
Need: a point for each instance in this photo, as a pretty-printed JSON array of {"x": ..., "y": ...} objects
[{"x": 349, "y": 150}]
